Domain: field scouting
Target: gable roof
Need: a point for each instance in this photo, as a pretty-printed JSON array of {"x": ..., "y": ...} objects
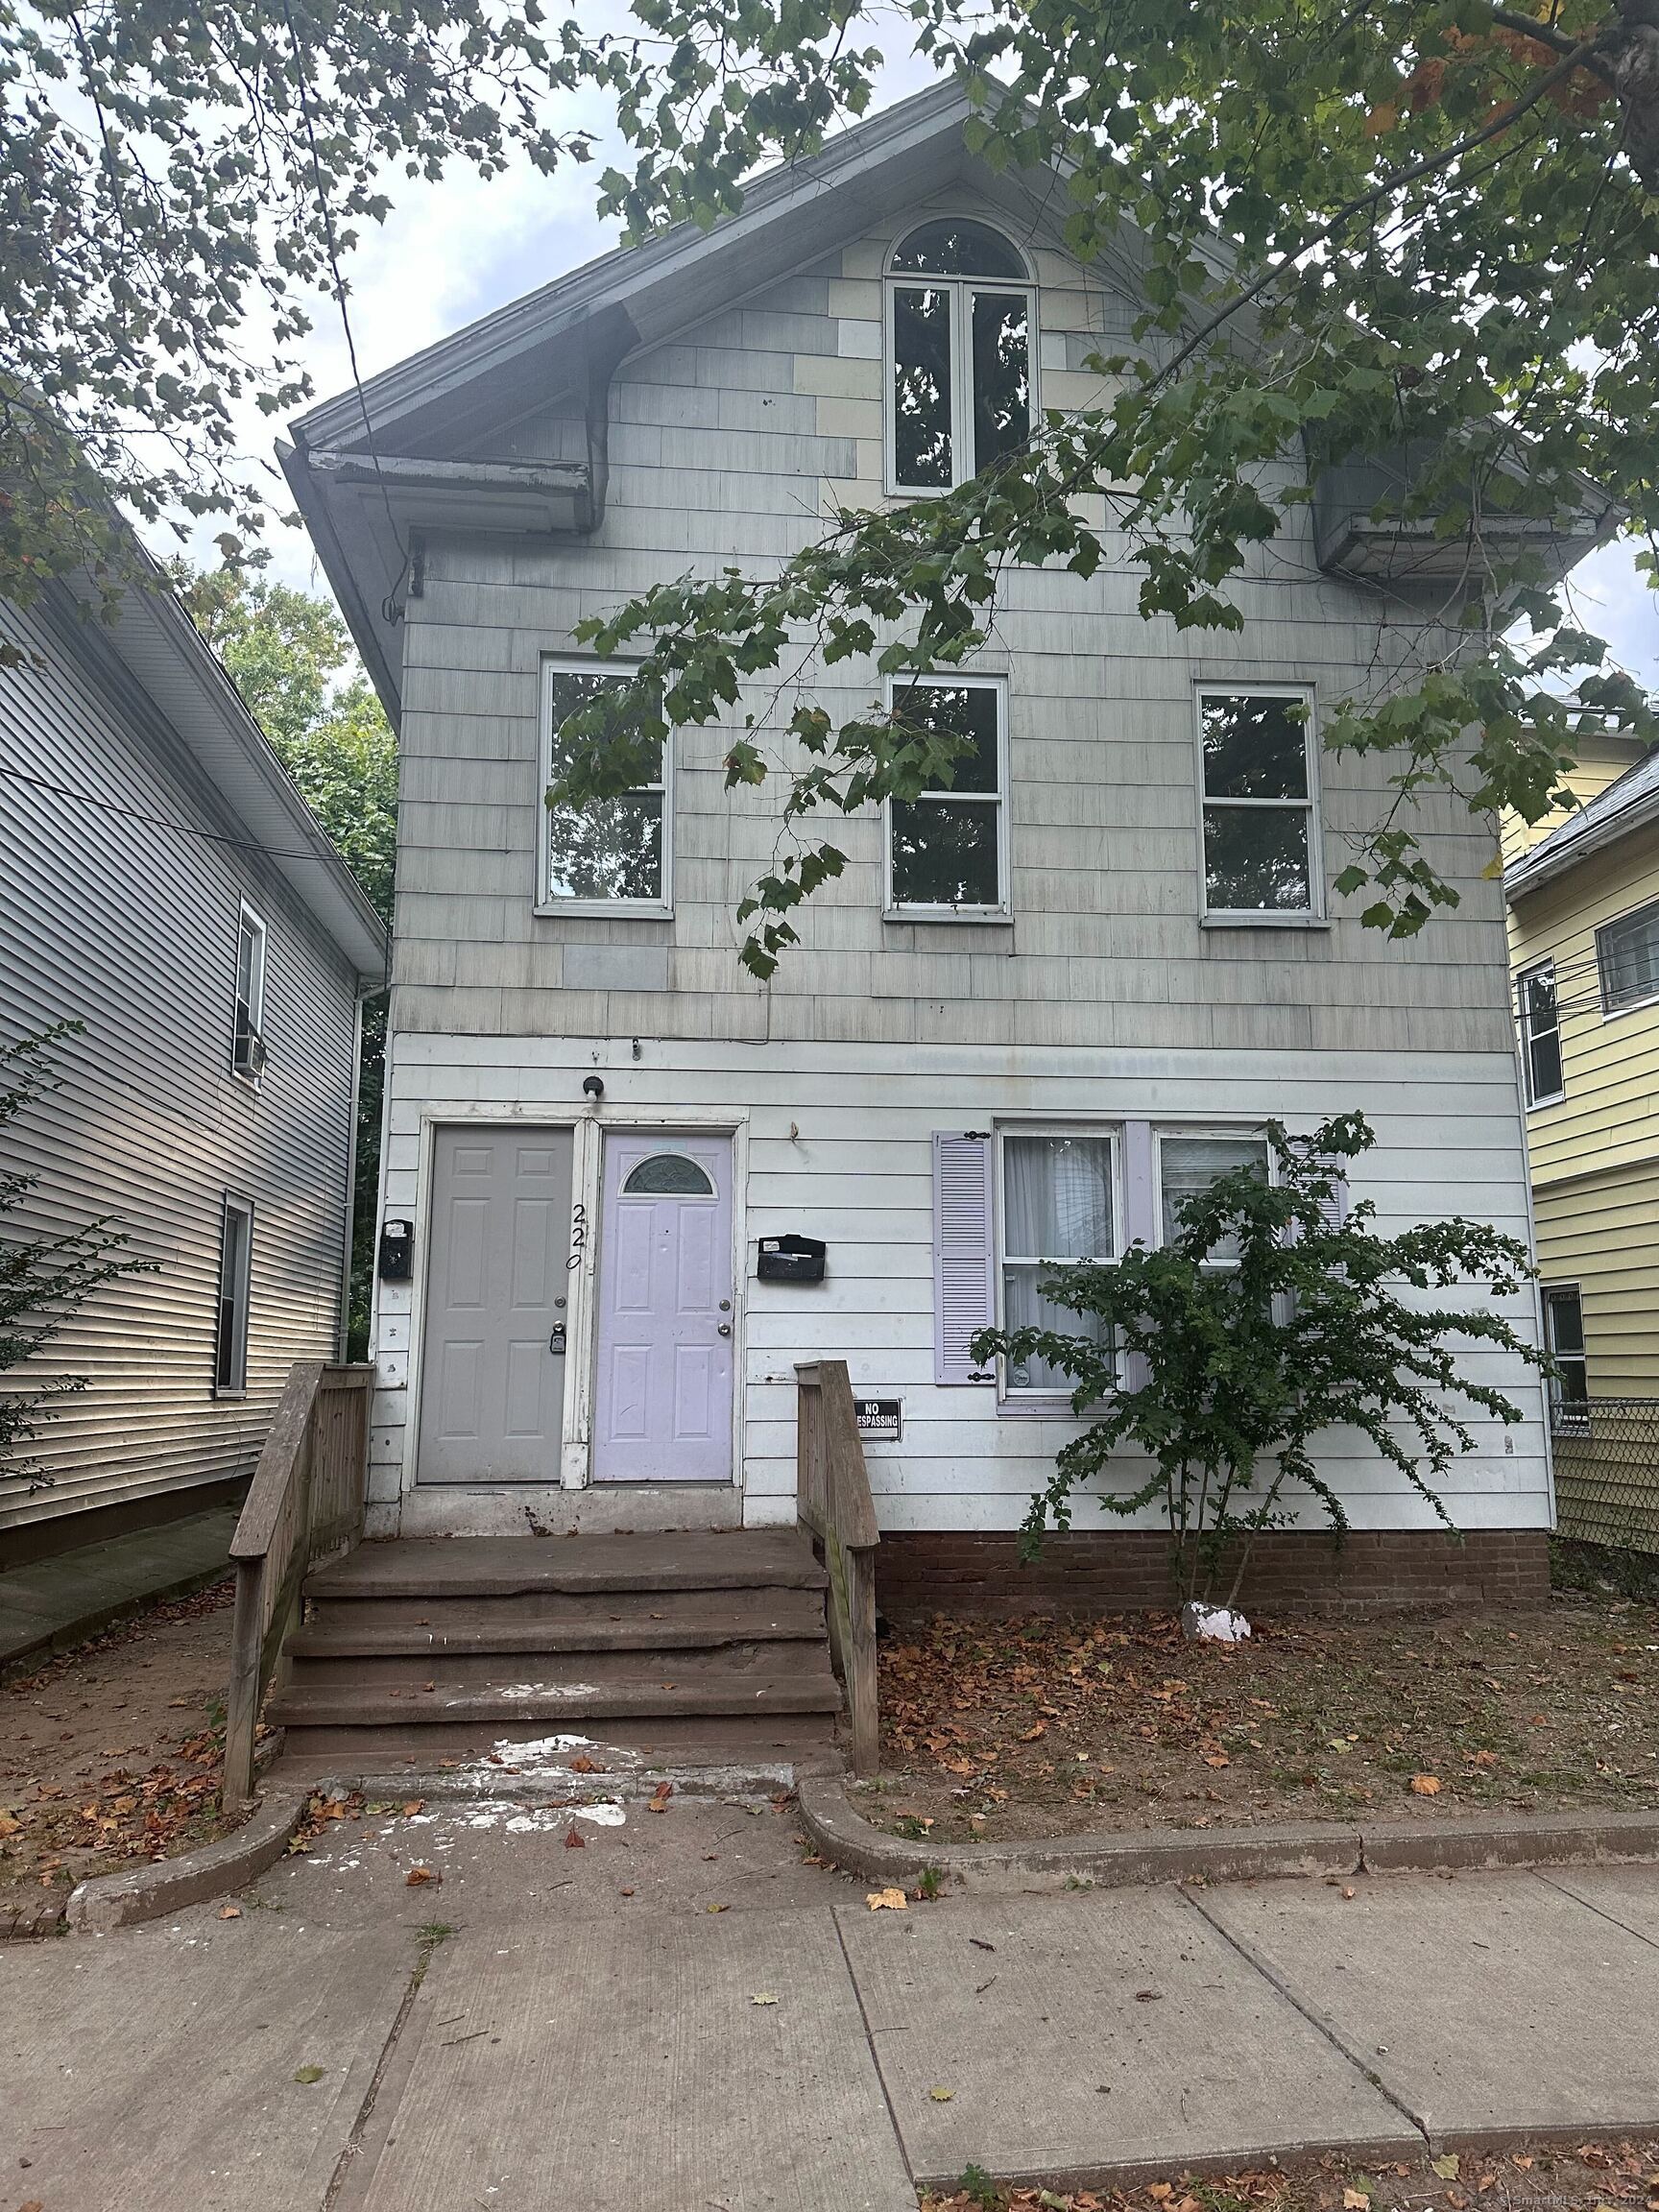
[
  {"x": 1628, "y": 804},
  {"x": 361, "y": 494},
  {"x": 163, "y": 653}
]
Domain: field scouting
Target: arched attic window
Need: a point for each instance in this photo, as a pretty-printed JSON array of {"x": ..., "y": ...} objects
[{"x": 961, "y": 310}]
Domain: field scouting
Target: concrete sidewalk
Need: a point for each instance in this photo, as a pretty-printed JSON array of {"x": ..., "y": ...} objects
[{"x": 681, "y": 2014}]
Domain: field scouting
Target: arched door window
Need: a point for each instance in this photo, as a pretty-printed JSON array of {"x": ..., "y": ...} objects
[
  {"x": 666, "y": 1175},
  {"x": 960, "y": 315}
]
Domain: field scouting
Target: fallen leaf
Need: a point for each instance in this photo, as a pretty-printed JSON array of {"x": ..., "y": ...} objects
[
  {"x": 625, "y": 1892},
  {"x": 1163, "y": 2191},
  {"x": 1447, "y": 2168},
  {"x": 230, "y": 1912},
  {"x": 419, "y": 1874},
  {"x": 10, "y": 1825},
  {"x": 574, "y": 1840},
  {"x": 1347, "y": 1892},
  {"x": 583, "y": 1765},
  {"x": 717, "y": 1907},
  {"x": 1030, "y": 1735},
  {"x": 413, "y": 1806},
  {"x": 941, "y": 2095},
  {"x": 1425, "y": 1786},
  {"x": 1356, "y": 2201},
  {"x": 764, "y": 1997},
  {"x": 660, "y": 1798},
  {"x": 887, "y": 1901},
  {"x": 307, "y": 2074},
  {"x": 1217, "y": 1758}
]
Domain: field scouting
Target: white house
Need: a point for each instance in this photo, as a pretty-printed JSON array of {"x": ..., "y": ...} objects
[{"x": 1030, "y": 1012}]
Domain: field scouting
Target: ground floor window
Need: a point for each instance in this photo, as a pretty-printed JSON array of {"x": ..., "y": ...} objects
[
  {"x": 235, "y": 1258},
  {"x": 1564, "y": 1341},
  {"x": 1059, "y": 1203}
]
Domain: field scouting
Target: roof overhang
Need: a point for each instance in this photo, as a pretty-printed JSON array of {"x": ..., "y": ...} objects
[
  {"x": 163, "y": 653},
  {"x": 1556, "y": 855}
]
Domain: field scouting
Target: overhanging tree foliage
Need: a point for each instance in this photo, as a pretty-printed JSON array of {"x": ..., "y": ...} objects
[
  {"x": 1429, "y": 225},
  {"x": 1423, "y": 223},
  {"x": 1268, "y": 1319}
]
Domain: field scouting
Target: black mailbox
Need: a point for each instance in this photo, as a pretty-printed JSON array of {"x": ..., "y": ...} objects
[
  {"x": 791, "y": 1258},
  {"x": 396, "y": 1251}
]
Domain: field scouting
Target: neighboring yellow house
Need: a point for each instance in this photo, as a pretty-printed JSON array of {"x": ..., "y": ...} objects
[{"x": 1583, "y": 896}]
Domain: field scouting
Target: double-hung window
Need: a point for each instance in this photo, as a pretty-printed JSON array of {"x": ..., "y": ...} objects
[
  {"x": 611, "y": 855},
  {"x": 235, "y": 1274},
  {"x": 946, "y": 848},
  {"x": 1627, "y": 960},
  {"x": 1564, "y": 1341},
  {"x": 960, "y": 319},
  {"x": 1260, "y": 806},
  {"x": 1540, "y": 1033},
  {"x": 1060, "y": 1203},
  {"x": 1013, "y": 1204},
  {"x": 1189, "y": 1161},
  {"x": 248, "y": 1040}
]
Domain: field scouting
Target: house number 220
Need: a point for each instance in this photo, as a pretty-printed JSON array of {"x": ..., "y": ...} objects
[{"x": 578, "y": 1237}]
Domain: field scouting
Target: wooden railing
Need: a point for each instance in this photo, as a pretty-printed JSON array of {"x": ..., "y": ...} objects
[
  {"x": 834, "y": 1507},
  {"x": 305, "y": 1505}
]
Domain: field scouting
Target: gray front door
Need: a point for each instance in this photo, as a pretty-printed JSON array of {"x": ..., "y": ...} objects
[{"x": 492, "y": 1351}]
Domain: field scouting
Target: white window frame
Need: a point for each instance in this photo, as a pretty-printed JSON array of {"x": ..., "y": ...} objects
[
  {"x": 250, "y": 924},
  {"x": 1002, "y": 911},
  {"x": 1629, "y": 1005},
  {"x": 661, "y": 908},
  {"x": 962, "y": 289},
  {"x": 239, "y": 1209},
  {"x": 1578, "y": 1418},
  {"x": 1535, "y": 1096},
  {"x": 1219, "y": 1132},
  {"x": 1009, "y": 1393},
  {"x": 1310, "y": 917}
]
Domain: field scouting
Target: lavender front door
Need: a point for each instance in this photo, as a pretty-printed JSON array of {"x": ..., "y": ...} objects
[{"x": 662, "y": 1396}]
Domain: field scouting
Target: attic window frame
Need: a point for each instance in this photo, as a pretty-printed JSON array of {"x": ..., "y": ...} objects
[{"x": 962, "y": 291}]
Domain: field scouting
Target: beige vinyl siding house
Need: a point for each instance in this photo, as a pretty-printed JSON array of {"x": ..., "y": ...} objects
[
  {"x": 1088, "y": 1000},
  {"x": 1580, "y": 889},
  {"x": 162, "y": 883}
]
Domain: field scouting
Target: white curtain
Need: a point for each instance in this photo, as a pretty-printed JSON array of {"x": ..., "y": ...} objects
[
  {"x": 1192, "y": 1164},
  {"x": 1057, "y": 1205}
]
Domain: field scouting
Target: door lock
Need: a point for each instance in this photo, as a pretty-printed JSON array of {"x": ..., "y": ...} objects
[
  {"x": 724, "y": 1330},
  {"x": 555, "y": 1343}
]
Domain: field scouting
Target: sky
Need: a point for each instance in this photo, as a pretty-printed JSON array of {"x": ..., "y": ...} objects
[{"x": 454, "y": 251}]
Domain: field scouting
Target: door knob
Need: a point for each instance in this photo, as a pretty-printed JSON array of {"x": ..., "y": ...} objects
[{"x": 724, "y": 1330}]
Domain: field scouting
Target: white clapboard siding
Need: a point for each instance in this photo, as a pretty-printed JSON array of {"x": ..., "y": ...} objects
[
  {"x": 841, "y": 1142},
  {"x": 131, "y": 928}
]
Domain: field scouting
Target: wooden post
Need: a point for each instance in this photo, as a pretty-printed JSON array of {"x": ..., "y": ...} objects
[
  {"x": 242, "y": 1697},
  {"x": 860, "y": 1661}
]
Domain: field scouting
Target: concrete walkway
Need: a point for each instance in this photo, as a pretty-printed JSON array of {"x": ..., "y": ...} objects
[
  {"x": 53, "y": 1603},
  {"x": 681, "y": 2014}
]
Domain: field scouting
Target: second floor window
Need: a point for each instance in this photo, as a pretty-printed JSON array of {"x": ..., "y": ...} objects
[
  {"x": 1540, "y": 1034},
  {"x": 1627, "y": 958},
  {"x": 247, "y": 1039},
  {"x": 613, "y": 853},
  {"x": 946, "y": 848},
  {"x": 960, "y": 324},
  {"x": 1260, "y": 825}
]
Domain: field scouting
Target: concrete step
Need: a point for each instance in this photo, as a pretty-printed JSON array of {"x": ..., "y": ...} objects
[
  {"x": 499, "y": 1566},
  {"x": 556, "y": 1673},
  {"x": 556, "y": 1621},
  {"x": 484, "y": 1707}
]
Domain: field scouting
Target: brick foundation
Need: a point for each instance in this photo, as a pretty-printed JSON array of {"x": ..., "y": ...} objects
[{"x": 921, "y": 1573}]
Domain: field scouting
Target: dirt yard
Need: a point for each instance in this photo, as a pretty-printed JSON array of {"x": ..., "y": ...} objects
[
  {"x": 1041, "y": 1727},
  {"x": 112, "y": 1751},
  {"x": 1593, "y": 2177}
]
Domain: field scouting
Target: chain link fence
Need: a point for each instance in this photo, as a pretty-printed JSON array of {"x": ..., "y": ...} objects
[{"x": 1607, "y": 1471}]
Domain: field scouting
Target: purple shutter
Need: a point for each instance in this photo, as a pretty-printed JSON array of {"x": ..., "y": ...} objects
[
  {"x": 964, "y": 1253},
  {"x": 1143, "y": 1209}
]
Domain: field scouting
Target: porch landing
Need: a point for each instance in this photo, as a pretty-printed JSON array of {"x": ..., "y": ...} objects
[{"x": 691, "y": 1646}]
